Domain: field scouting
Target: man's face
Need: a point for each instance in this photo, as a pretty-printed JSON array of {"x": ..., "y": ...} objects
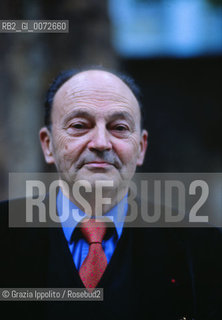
[{"x": 96, "y": 132}]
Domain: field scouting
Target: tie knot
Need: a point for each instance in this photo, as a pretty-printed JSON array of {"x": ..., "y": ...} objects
[{"x": 93, "y": 230}]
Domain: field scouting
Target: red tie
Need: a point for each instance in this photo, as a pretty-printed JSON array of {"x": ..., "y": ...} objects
[{"x": 95, "y": 263}]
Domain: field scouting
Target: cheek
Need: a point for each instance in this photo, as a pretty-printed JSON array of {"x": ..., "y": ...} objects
[
  {"x": 67, "y": 149},
  {"x": 127, "y": 151}
]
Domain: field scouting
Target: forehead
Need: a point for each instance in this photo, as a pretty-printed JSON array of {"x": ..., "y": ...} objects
[{"x": 94, "y": 88}]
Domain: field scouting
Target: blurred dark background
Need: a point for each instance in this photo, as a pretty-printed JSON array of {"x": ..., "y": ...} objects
[{"x": 172, "y": 48}]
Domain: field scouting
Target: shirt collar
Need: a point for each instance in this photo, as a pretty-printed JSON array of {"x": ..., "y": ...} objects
[{"x": 70, "y": 215}]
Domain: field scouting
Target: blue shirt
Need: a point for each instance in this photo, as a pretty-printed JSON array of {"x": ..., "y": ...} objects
[{"x": 71, "y": 215}]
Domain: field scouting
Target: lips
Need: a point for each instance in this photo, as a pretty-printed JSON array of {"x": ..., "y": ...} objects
[
  {"x": 103, "y": 160},
  {"x": 98, "y": 164}
]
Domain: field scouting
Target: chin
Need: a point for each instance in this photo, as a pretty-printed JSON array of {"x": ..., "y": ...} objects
[
  {"x": 97, "y": 179},
  {"x": 93, "y": 178}
]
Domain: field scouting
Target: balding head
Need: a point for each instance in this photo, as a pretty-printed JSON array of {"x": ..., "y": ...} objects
[
  {"x": 95, "y": 87},
  {"x": 65, "y": 76}
]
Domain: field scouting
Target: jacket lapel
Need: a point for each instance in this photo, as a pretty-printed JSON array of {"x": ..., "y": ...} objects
[{"x": 61, "y": 268}]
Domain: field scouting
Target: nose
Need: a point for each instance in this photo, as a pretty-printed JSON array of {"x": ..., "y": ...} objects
[{"x": 100, "y": 140}]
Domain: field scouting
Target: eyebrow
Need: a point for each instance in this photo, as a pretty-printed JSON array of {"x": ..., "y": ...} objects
[
  {"x": 77, "y": 113},
  {"x": 122, "y": 115},
  {"x": 85, "y": 114}
]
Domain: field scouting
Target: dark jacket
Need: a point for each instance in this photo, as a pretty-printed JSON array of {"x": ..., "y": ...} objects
[{"x": 154, "y": 273}]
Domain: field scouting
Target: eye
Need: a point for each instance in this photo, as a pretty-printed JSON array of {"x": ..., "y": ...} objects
[
  {"x": 120, "y": 130},
  {"x": 120, "y": 127},
  {"x": 78, "y": 126}
]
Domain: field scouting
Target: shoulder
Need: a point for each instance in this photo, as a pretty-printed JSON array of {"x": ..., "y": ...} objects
[
  {"x": 204, "y": 247},
  {"x": 201, "y": 245},
  {"x": 14, "y": 234},
  {"x": 9, "y": 209},
  {"x": 3, "y": 208},
  {"x": 197, "y": 241},
  {"x": 203, "y": 240}
]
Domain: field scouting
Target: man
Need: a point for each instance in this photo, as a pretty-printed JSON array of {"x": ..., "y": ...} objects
[{"x": 93, "y": 133}]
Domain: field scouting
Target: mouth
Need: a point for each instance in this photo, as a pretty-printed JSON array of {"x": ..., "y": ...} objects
[{"x": 98, "y": 164}]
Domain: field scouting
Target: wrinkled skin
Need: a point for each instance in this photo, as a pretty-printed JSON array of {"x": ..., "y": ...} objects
[{"x": 95, "y": 133}]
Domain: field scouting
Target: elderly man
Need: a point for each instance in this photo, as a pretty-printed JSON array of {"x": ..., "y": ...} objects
[{"x": 93, "y": 133}]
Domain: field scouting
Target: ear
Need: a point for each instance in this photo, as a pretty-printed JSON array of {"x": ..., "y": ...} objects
[
  {"x": 46, "y": 143},
  {"x": 143, "y": 147}
]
